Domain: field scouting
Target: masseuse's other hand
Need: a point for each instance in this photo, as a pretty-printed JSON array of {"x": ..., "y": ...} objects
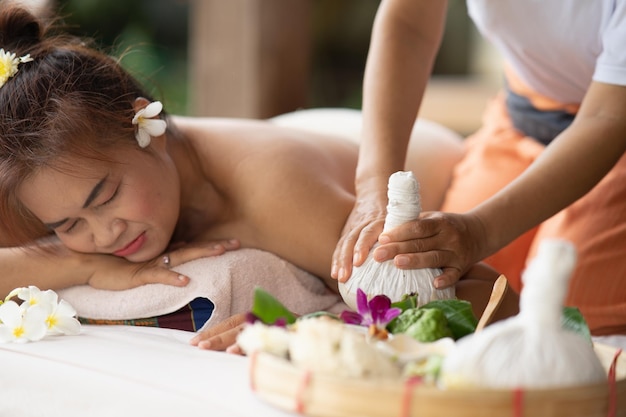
[
  {"x": 452, "y": 242},
  {"x": 222, "y": 336},
  {"x": 360, "y": 232},
  {"x": 114, "y": 273}
]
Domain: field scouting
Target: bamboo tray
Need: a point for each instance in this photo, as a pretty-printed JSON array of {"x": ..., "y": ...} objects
[{"x": 277, "y": 382}]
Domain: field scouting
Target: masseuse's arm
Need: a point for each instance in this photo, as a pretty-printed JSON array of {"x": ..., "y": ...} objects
[
  {"x": 55, "y": 267},
  {"x": 405, "y": 38},
  {"x": 570, "y": 167}
]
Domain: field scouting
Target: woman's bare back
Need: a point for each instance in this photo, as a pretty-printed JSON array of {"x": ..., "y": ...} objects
[{"x": 282, "y": 190}]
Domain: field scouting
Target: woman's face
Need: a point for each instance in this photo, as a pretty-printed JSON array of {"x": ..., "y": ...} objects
[{"x": 128, "y": 208}]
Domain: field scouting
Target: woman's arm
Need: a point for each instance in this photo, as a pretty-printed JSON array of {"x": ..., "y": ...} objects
[
  {"x": 570, "y": 167},
  {"x": 52, "y": 268},
  {"x": 405, "y": 38},
  {"x": 55, "y": 267}
]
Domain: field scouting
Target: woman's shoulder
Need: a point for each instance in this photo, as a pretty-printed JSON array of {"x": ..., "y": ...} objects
[
  {"x": 261, "y": 138},
  {"x": 204, "y": 128}
]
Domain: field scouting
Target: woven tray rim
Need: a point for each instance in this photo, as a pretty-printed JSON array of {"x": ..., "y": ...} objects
[{"x": 278, "y": 382}]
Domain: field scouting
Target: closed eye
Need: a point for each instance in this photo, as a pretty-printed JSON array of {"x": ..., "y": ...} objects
[
  {"x": 72, "y": 227},
  {"x": 76, "y": 222},
  {"x": 111, "y": 198}
]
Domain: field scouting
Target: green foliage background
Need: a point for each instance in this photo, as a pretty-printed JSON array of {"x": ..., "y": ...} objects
[{"x": 152, "y": 36}]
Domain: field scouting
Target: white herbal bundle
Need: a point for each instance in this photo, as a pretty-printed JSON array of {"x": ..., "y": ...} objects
[
  {"x": 530, "y": 350},
  {"x": 376, "y": 278}
]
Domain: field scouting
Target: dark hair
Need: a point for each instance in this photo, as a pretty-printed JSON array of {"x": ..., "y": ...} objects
[{"x": 70, "y": 100}]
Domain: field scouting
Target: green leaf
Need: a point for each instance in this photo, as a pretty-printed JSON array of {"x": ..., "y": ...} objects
[
  {"x": 461, "y": 319},
  {"x": 407, "y": 302},
  {"x": 268, "y": 309},
  {"x": 574, "y": 321}
]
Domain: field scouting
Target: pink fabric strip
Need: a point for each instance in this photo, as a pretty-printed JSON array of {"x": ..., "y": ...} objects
[
  {"x": 253, "y": 364},
  {"x": 518, "y": 402},
  {"x": 409, "y": 384},
  {"x": 612, "y": 387},
  {"x": 304, "y": 384}
]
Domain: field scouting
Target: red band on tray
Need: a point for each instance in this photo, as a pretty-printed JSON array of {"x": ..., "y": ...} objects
[
  {"x": 253, "y": 362},
  {"x": 304, "y": 384},
  {"x": 518, "y": 402},
  {"x": 612, "y": 387},
  {"x": 410, "y": 383}
]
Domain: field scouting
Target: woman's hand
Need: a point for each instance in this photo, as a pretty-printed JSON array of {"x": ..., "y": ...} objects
[
  {"x": 113, "y": 273},
  {"x": 452, "y": 242},
  {"x": 222, "y": 336},
  {"x": 360, "y": 232}
]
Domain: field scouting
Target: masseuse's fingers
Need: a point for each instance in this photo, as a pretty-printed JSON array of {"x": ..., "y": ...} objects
[
  {"x": 451, "y": 242},
  {"x": 221, "y": 336},
  {"x": 358, "y": 237}
]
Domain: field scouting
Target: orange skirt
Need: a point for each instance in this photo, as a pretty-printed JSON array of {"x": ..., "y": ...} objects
[{"x": 595, "y": 224}]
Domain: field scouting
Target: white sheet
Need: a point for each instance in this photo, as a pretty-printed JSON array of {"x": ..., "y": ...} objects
[{"x": 124, "y": 371}]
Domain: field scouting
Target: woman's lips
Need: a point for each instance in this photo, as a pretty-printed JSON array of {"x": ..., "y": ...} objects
[{"x": 132, "y": 247}]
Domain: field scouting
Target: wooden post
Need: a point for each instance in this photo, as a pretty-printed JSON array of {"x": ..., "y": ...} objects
[{"x": 249, "y": 58}]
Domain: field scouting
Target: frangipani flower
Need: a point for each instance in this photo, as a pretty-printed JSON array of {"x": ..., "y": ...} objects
[
  {"x": 39, "y": 314},
  {"x": 146, "y": 125},
  {"x": 21, "y": 324},
  {"x": 59, "y": 315},
  {"x": 9, "y": 64},
  {"x": 377, "y": 311},
  {"x": 33, "y": 296},
  {"x": 60, "y": 319}
]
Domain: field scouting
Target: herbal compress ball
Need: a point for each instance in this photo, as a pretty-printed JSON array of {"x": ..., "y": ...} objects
[{"x": 376, "y": 278}]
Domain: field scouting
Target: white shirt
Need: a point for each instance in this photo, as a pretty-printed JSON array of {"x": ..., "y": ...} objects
[{"x": 557, "y": 46}]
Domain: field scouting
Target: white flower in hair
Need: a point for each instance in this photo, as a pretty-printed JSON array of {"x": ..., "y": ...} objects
[
  {"x": 146, "y": 125},
  {"x": 9, "y": 64}
]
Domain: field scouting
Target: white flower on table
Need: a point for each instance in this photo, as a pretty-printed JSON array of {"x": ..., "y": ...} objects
[
  {"x": 21, "y": 324},
  {"x": 39, "y": 314},
  {"x": 60, "y": 318},
  {"x": 33, "y": 296}
]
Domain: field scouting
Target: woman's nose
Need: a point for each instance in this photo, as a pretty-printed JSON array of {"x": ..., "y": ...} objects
[{"x": 106, "y": 233}]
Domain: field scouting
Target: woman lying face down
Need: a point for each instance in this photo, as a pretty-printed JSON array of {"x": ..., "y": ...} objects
[
  {"x": 87, "y": 155},
  {"x": 72, "y": 165}
]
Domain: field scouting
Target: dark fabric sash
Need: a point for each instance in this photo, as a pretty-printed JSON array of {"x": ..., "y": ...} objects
[{"x": 541, "y": 125}]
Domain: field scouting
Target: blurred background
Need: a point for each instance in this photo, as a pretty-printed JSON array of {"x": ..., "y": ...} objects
[{"x": 259, "y": 58}]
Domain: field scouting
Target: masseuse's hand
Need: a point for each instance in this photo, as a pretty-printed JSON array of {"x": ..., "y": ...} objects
[
  {"x": 113, "y": 273},
  {"x": 452, "y": 242},
  {"x": 361, "y": 231},
  {"x": 222, "y": 336}
]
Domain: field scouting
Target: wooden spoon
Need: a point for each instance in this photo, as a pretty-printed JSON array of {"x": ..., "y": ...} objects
[{"x": 497, "y": 295}]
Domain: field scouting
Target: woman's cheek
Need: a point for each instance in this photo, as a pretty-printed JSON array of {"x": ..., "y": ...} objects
[{"x": 77, "y": 244}]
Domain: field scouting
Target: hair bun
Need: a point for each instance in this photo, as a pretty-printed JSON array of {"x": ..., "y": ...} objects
[{"x": 19, "y": 28}]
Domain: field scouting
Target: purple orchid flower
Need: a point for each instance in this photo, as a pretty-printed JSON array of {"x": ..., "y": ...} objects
[{"x": 377, "y": 311}]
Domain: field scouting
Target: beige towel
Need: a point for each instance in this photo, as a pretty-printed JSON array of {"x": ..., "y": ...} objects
[{"x": 227, "y": 280}]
